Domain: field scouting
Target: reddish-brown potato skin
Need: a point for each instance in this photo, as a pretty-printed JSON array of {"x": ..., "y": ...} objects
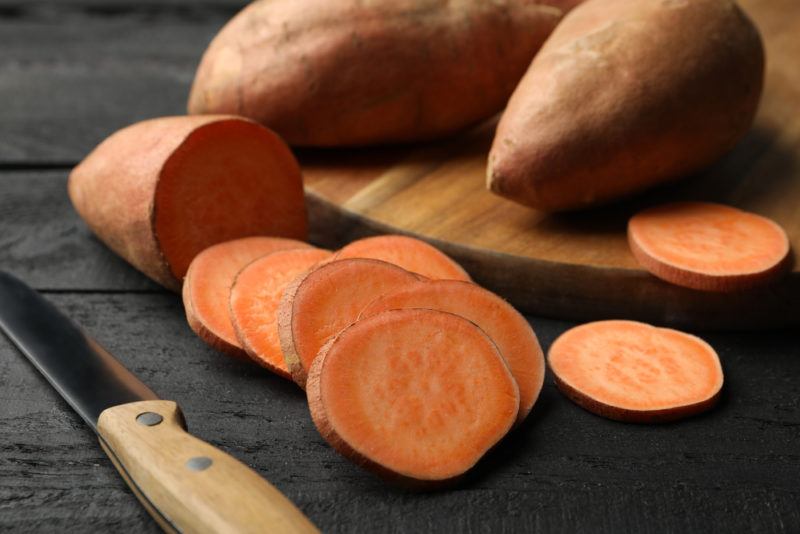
[
  {"x": 209, "y": 337},
  {"x": 633, "y": 416},
  {"x": 323, "y": 73},
  {"x": 113, "y": 189},
  {"x": 627, "y": 94}
]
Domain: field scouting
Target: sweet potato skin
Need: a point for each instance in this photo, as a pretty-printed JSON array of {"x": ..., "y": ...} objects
[
  {"x": 123, "y": 171},
  {"x": 324, "y": 73},
  {"x": 632, "y": 416},
  {"x": 627, "y": 94},
  {"x": 116, "y": 188}
]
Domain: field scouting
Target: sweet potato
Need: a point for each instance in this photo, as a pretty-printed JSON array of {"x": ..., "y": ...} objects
[
  {"x": 409, "y": 253},
  {"x": 162, "y": 190},
  {"x": 319, "y": 304},
  {"x": 624, "y": 95},
  {"x": 708, "y": 246},
  {"x": 207, "y": 288},
  {"x": 635, "y": 372},
  {"x": 418, "y": 396},
  {"x": 353, "y": 73},
  {"x": 508, "y": 329},
  {"x": 254, "y": 299}
]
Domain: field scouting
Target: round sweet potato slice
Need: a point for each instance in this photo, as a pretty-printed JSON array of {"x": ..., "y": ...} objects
[
  {"x": 319, "y": 304},
  {"x": 254, "y": 300},
  {"x": 634, "y": 372},
  {"x": 706, "y": 246},
  {"x": 418, "y": 396},
  {"x": 510, "y": 331},
  {"x": 409, "y": 253},
  {"x": 207, "y": 288}
]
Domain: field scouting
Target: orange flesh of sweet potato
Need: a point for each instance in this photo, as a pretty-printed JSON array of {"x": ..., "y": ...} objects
[
  {"x": 708, "y": 246},
  {"x": 254, "y": 300},
  {"x": 411, "y": 254},
  {"x": 160, "y": 191},
  {"x": 319, "y": 304},
  {"x": 223, "y": 184},
  {"x": 416, "y": 395},
  {"x": 206, "y": 290},
  {"x": 635, "y": 372},
  {"x": 509, "y": 330}
]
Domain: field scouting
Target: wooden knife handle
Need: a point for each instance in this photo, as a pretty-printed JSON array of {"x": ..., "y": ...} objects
[{"x": 186, "y": 484}]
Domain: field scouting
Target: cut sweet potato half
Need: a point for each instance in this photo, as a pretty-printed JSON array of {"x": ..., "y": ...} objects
[
  {"x": 509, "y": 330},
  {"x": 206, "y": 290},
  {"x": 418, "y": 396},
  {"x": 160, "y": 191},
  {"x": 409, "y": 253},
  {"x": 254, "y": 299},
  {"x": 708, "y": 246},
  {"x": 635, "y": 372},
  {"x": 318, "y": 305}
]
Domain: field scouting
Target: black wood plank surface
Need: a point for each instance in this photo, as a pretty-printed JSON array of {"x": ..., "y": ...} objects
[
  {"x": 70, "y": 77},
  {"x": 71, "y": 72},
  {"x": 43, "y": 241},
  {"x": 564, "y": 470}
]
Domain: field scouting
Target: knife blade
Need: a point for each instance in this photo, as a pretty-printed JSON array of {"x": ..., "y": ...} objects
[{"x": 186, "y": 484}]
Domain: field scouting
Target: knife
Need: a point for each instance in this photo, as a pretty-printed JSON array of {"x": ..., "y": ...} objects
[{"x": 186, "y": 484}]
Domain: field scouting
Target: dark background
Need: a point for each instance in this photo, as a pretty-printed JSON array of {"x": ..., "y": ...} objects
[{"x": 73, "y": 71}]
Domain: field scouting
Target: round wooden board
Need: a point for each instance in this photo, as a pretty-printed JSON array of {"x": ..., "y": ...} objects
[{"x": 578, "y": 265}]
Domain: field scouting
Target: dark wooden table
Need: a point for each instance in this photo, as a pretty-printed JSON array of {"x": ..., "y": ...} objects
[{"x": 71, "y": 72}]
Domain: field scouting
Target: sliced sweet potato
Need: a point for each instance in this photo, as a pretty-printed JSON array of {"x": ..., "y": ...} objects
[
  {"x": 711, "y": 247},
  {"x": 508, "y": 329},
  {"x": 207, "y": 288},
  {"x": 418, "y": 396},
  {"x": 411, "y": 254},
  {"x": 160, "y": 191},
  {"x": 635, "y": 372},
  {"x": 319, "y": 304},
  {"x": 254, "y": 299}
]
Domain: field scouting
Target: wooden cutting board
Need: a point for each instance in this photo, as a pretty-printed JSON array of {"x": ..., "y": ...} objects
[{"x": 578, "y": 266}]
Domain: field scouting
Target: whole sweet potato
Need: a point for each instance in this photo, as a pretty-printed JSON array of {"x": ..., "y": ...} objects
[
  {"x": 624, "y": 95},
  {"x": 355, "y": 72}
]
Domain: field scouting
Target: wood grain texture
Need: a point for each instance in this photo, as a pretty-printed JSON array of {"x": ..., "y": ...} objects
[
  {"x": 44, "y": 242},
  {"x": 225, "y": 496},
  {"x": 579, "y": 265},
  {"x": 71, "y": 77},
  {"x": 564, "y": 470}
]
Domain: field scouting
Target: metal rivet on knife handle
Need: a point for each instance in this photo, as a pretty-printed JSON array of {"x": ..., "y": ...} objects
[
  {"x": 199, "y": 463},
  {"x": 149, "y": 419}
]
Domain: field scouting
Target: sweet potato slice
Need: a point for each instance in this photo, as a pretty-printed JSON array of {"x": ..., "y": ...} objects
[
  {"x": 206, "y": 290},
  {"x": 411, "y": 254},
  {"x": 418, "y": 396},
  {"x": 708, "y": 246},
  {"x": 160, "y": 191},
  {"x": 254, "y": 300},
  {"x": 509, "y": 330},
  {"x": 318, "y": 305},
  {"x": 635, "y": 372}
]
